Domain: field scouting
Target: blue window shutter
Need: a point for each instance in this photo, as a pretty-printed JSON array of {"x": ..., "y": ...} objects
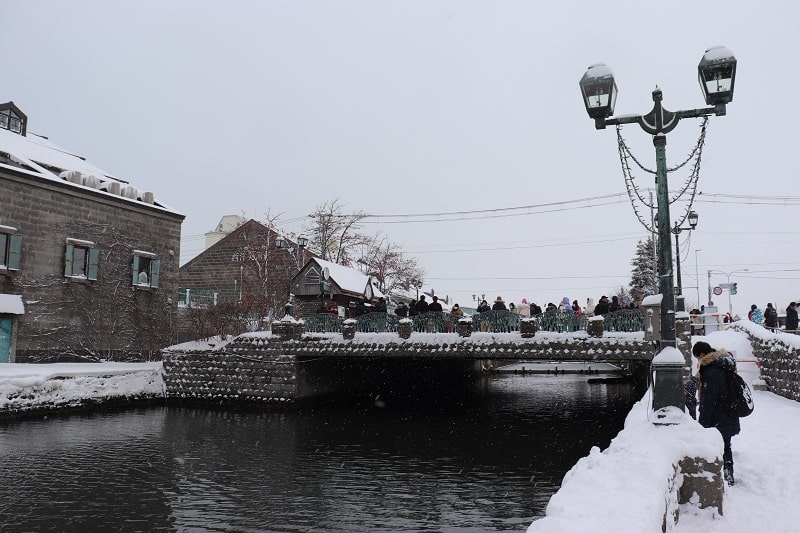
[
  {"x": 14, "y": 252},
  {"x": 68, "y": 260},
  {"x": 135, "y": 277},
  {"x": 154, "y": 264},
  {"x": 94, "y": 257}
]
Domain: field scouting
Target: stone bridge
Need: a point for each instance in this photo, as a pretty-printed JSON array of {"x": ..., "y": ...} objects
[{"x": 262, "y": 367}]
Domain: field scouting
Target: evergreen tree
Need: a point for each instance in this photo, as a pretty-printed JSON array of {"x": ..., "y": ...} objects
[{"x": 644, "y": 276}]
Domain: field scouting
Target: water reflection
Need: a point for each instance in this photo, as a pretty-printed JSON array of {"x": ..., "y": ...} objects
[{"x": 483, "y": 462}]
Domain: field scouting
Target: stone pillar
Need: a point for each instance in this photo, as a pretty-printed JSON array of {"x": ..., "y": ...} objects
[
  {"x": 683, "y": 333},
  {"x": 465, "y": 326},
  {"x": 651, "y": 308},
  {"x": 528, "y": 328},
  {"x": 349, "y": 329},
  {"x": 596, "y": 326},
  {"x": 404, "y": 328}
]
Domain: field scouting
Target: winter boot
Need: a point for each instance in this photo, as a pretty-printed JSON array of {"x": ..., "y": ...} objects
[{"x": 728, "y": 473}]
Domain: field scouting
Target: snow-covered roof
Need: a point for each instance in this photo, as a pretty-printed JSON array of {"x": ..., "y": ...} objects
[
  {"x": 11, "y": 304},
  {"x": 38, "y": 156},
  {"x": 348, "y": 279}
]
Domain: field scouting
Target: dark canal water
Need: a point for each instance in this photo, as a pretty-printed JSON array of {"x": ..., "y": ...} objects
[{"x": 488, "y": 461}]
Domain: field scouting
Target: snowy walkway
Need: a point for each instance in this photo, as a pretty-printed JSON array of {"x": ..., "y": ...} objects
[{"x": 622, "y": 487}]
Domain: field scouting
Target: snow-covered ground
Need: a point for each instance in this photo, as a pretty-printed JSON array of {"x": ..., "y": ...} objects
[{"x": 623, "y": 488}]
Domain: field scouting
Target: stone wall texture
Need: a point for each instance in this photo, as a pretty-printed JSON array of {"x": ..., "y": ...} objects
[{"x": 780, "y": 363}]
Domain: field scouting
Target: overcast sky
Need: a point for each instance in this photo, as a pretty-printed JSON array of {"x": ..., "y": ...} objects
[{"x": 426, "y": 107}]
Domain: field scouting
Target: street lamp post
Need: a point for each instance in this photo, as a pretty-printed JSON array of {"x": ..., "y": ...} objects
[
  {"x": 298, "y": 255},
  {"x": 692, "y": 218},
  {"x": 417, "y": 284},
  {"x": 697, "y": 275},
  {"x": 716, "y": 73}
]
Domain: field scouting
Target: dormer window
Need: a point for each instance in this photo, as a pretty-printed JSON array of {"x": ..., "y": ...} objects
[{"x": 13, "y": 119}]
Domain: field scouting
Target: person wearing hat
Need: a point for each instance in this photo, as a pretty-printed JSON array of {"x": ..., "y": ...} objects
[
  {"x": 499, "y": 305},
  {"x": 713, "y": 390}
]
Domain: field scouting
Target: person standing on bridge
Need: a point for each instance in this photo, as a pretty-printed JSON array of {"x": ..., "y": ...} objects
[
  {"x": 499, "y": 305},
  {"x": 791, "y": 317},
  {"x": 422, "y": 305},
  {"x": 755, "y": 315},
  {"x": 770, "y": 317},
  {"x": 713, "y": 388}
]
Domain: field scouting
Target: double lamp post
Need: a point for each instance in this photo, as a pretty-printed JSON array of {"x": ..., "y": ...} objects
[{"x": 716, "y": 73}]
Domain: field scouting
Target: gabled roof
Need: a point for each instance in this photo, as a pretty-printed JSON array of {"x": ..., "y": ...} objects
[
  {"x": 36, "y": 156},
  {"x": 250, "y": 225},
  {"x": 347, "y": 279}
]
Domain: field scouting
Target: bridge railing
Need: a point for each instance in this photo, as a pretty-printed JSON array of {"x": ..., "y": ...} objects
[{"x": 626, "y": 320}]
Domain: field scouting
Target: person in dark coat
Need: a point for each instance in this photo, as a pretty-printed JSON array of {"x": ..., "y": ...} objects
[
  {"x": 602, "y": 306},
  {"x": 412, "y": 308},
  {"x": 362, "y": 307},
  {"x": 791, "y": 317},
  {"x": 770, "y": 317},
  {"x": 422, "y": 305},
  {"x": 499, "y": 305},
  {"x": 381, "y": 307},
  {"x": 435, "y": 305},
  {"x": 484, "y": 306},
  {"x": 713, "y": 389},
  {"x": 614, "y": 305},
  {"x": 535, "y": 309},
  {"x": 401, "y": 310}
]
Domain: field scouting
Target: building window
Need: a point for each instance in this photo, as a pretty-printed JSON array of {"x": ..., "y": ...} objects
[
  {"x": 145, "y": 269},
  {"x": 10, "y": 248},
  {"x": 9, "y": 120},
  {"x": 81, "y": 259}
]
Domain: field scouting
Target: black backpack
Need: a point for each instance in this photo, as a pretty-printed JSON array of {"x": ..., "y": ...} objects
[{"x": 740, "y": 398}]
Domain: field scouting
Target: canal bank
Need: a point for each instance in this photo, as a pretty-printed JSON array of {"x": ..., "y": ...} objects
[{"x": 40, "y": 389}]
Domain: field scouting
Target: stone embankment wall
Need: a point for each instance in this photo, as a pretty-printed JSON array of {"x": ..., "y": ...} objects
[
  {"x": 779, "y": 356},
  {"x": 257, "y": 373}
]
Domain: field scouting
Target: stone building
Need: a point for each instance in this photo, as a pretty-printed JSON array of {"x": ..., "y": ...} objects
[
  {"x": 91, "y": 259},
  {"x": 237, "y": 283}
]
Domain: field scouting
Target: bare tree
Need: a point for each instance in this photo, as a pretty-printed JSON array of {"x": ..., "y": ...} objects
[
  {"x": 335, "y": 233},
  {"x": 385, "y": 261}
]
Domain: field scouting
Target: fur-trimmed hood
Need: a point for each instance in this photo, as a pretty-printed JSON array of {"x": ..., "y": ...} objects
[{"x": 709, "y": 358}]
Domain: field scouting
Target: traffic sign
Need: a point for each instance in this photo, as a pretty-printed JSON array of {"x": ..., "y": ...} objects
[
  {"x": 726, "y": 286},
  {"x": 717, "y": 290}
]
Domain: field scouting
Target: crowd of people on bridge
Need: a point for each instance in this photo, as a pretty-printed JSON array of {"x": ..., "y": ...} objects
[{"x": 769, "y": 317}]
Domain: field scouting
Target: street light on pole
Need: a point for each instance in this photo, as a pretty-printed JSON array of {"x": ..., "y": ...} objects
[
  {"x": 417, "y": 284},
  {"x": 697, "y": 275},
  {"x": 716, "y": 73},
  {"x": 298, "y": 255},
  {"x": 692, "y": 219}
]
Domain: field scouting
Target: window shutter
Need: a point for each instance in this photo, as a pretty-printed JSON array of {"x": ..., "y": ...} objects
[
  {"x": 154, "y": 264},
  {"x": 135, "y": 277},
  {"x": 94, "y": 257},
  {"x": 68, "y": 260},
  {"x": 15, "y": 252}
]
